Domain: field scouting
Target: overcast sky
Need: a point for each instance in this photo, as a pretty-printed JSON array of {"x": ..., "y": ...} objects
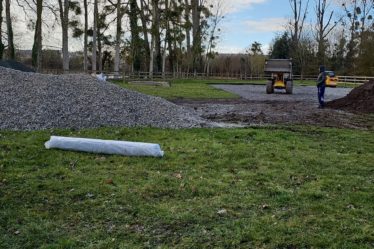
[
  {"x": 245, "y": 22},
  {"x": 248, "y": 21}
]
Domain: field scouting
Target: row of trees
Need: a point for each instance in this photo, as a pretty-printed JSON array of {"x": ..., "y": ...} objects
[
  {"x": 181, "y": 35},
  {"x": 342, "y": 37},
  {"x": 150, "y": 35}
]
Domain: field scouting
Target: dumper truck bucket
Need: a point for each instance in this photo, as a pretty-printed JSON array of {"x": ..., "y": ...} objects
[{"x": 278, "y": 66}]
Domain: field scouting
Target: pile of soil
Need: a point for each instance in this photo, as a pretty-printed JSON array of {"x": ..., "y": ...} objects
[
  {"x": 16, "y": 66},
  {"x": 360, "y": 99},
  {"x": 32, "y": 101}
]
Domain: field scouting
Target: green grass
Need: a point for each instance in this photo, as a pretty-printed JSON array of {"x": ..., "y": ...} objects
[
  {"x": 285, "y": 187},
  {"x": 201, "y": 89},
  {"x": 187, "y": 90}
]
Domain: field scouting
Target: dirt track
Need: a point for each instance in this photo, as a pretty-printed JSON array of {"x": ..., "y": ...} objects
[{"x": 255, "y": 107}]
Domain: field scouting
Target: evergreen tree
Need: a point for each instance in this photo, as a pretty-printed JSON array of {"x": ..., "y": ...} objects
[{"x": 281, "y": 48}]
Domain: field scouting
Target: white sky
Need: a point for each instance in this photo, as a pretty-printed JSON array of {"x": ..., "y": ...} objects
[{"x": 246, "y": 21}]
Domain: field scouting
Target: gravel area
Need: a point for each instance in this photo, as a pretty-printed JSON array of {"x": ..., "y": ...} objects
[
  {"x": 300, "y": 93},
  {"x": 31, "y": 101}
]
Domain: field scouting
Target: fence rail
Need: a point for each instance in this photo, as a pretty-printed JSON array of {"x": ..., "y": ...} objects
[
  {"x": 168, "y": 76},
  {"x": 213, "y": 76}
]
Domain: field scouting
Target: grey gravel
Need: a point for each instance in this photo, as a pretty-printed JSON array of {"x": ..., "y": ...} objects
[
  {"x": 30, "y": 101},
  {"x": 300, "y": 93}
]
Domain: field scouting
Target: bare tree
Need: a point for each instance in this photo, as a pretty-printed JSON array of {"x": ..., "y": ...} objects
[
  {"x": 299, "y": 14},
  {"x": 11, "y": 54},
  {"x": 325, "y": 25},
  {"x": 64, "y": 18},
  {"x": 367, "y": 7},
  {"x": 296, "y": 28},
  {"x": 216, "y": 18},
  {"x": 357, "y": 15}
]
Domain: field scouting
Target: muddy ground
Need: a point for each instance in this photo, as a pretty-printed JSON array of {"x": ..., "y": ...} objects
[{"x": 255, "y": 107}]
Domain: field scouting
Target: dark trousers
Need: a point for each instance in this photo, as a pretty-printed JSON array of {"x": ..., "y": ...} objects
[{"x": 321, "y": 95}]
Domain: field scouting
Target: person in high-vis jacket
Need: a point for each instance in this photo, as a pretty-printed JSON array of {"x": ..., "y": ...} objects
[{"x": 321, "y": 85}]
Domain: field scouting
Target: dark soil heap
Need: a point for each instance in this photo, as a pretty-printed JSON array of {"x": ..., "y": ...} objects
[{"x": 360, "y": 99}]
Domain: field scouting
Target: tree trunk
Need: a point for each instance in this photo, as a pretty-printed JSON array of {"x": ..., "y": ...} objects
[
  {"x": 296, "y": 23},
  {"x": 151, "y": 52},
  {"x": 1, "y": 31},
  {"x": 188, "y": 27},
  {"x": 169, "y": 39},
  {"x": 156, "y": 30},
  {"x": 99, "y": 51},
  {"x": 151, "y": 59},
  {"x": 299, "y": 12},
  {"x": 85, "y": 49},
  {"x": 195, "y": 21},
  {"x": 38, "y": 46},
  {"x": 64, "y": 16},
  {"x": 117, "y": 58},
  {"x": 196, "y": 33},
  {"x": 145, "y": 32},
  {"x": 135, "y": 39},
  {"x": 11, "y": 54},
  {"x": 164, "y": 60},
  {"x": 94, "y": 37}
]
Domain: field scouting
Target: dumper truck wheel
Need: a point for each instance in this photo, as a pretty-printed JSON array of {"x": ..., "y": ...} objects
[
  {"x": 289, "y": 87},
  {"x": 269, "y": 87}
]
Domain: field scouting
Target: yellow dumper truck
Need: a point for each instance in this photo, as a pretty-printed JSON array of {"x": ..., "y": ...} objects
[
  {"x": 331, "y": 79},
  {"x": 281, "y": 75}
]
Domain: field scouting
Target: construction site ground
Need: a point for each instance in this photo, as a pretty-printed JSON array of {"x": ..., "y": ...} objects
[{"x": 255, "y": 107}]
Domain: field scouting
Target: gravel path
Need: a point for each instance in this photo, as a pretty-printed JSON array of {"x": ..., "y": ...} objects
[
  {"x": 31, "y": 101},
  {"x": 301, "y": 93}
]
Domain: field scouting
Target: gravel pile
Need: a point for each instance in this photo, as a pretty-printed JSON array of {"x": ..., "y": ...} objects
[
  {"x": 31, "y": 101},
  {"x": 16, "y": 66}
]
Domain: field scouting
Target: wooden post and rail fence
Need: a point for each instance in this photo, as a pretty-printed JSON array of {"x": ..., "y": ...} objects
[{"x": 128, "y": 76}]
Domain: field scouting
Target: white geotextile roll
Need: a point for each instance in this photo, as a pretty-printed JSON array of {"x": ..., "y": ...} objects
[{"x": 105, "y": 146}]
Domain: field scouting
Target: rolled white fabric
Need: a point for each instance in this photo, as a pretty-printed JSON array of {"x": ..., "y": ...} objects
[{"x": 105, "y": 146}]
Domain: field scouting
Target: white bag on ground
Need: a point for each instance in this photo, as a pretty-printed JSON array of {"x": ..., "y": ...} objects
[
  {"x": 101, "y": 77},
  {"x": 105, "y": 146}
]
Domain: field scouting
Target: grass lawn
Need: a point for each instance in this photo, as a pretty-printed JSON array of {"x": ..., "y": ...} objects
[
  {"x": 187, "y": 90},
  {"x": 201, "y": 89},
  {"x": 285, "y": 187}
]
